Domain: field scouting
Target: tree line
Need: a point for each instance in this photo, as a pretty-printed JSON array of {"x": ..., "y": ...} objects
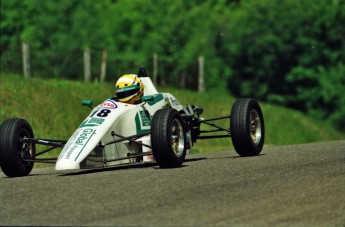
[{"x": 286, "y": 52}]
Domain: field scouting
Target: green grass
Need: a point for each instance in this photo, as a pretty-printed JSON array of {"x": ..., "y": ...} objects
[{"x": 53, "y": 109}]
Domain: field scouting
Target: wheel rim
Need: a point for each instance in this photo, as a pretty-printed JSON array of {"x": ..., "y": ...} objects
[
  {"x": 177, "y": 138},
  {"x": 26, "y": 150},
  {"x": 255, "y": 127}
]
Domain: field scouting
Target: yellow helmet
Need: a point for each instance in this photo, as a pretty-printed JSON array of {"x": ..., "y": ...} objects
[{"x": 129, "y": 88}]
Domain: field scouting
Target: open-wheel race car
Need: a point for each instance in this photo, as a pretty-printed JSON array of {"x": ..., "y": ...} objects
[{"x": 158, "y": 128}]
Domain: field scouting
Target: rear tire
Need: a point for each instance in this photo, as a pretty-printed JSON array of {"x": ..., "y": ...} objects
[
  {"x": 13, "y": 150},
  {"x": 247, "y": 127},
  {"x": 168, "y": 138}
]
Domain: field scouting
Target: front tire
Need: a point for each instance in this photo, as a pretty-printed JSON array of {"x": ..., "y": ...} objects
[
  {"x": 13, "y": 150},
  {"x": 247, "y": 127},
  {"x": 168, "y": 138}
]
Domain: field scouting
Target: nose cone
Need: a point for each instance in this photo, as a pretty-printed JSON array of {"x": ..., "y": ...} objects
[{"x": 66, "y": 164}]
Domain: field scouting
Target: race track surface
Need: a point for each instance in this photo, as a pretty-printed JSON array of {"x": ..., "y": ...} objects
[{"x": 297, "y": 185}]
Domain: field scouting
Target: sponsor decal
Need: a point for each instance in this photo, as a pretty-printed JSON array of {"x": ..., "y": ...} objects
[
  {"x": 71, "y": 151},
  {"x": 83, "y": 139},
  {"x": 145, "y": 118},
  {"x": 70, "y": 142},
  {"x": 128, "y": 88},
  {"x": 174, "y": 102},
  {"x": 92, "y": 122},
  {"x": 142, "y": 122},
  {"x": 84, "y": 136},
  {"x": 109, "y": 104},
  {"x": 78, "y": 142}
]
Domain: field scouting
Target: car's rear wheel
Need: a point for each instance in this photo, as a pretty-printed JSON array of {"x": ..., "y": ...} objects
[
  {"x": 15, "y": 149},
  {"x": 168, "y": 138},
  {"x": 247, "y": 127}
]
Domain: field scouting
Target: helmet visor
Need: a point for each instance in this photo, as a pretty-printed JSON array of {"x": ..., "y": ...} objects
[{"x": 127, "y": 91}]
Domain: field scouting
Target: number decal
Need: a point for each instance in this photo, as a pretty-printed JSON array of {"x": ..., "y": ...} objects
[
  {"x": 93, "y": 114},
  {"x": 103, "y": 113}
]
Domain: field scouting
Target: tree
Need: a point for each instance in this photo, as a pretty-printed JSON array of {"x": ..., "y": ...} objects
[
  {"x": 286, "y": 52},
  {"x": 13, "y": 20}
]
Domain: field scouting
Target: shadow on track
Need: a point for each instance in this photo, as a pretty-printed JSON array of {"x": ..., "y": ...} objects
[{"x": 124, "y": 167}]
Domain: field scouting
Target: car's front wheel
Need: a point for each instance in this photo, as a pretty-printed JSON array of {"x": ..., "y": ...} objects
[
  {"x": 15, "y": 149},
  {"x": 168, "y": 138}
]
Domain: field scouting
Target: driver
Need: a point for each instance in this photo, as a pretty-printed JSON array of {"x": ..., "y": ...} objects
[{"x": 129, "y": 89}]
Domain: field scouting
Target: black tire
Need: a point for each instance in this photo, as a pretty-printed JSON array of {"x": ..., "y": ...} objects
[
  {"x": 247, "y": 127},
  {"x": 168, "y": 138},
  {"x": 13, "y": 150}
]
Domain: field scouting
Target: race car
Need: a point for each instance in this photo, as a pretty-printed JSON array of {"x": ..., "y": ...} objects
[{"x": 158, "y": 128}]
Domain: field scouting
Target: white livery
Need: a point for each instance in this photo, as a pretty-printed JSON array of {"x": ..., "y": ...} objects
[{"x": 122, "y": 119}]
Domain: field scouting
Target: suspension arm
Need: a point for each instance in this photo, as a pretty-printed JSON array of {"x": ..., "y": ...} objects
[
  {"x": 129, "y": 138},
  {"x": 216, "y": 126}
]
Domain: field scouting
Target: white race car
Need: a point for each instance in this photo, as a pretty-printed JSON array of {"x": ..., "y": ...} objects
[{"x": 157, "y": 129}]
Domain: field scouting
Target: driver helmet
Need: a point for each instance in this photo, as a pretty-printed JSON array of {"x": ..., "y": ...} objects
[{"x": 129, "y": 89}]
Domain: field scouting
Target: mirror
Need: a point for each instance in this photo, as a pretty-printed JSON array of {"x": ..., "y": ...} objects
[
  {"x": 87, "y": 102},
  {"x": 147, "y": 98}
]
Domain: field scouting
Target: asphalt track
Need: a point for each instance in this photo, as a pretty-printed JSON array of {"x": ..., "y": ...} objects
[{"x": 297, "y": 185}]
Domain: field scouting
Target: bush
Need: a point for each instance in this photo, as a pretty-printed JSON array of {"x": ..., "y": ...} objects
[{"x": 319, "y": 92}]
